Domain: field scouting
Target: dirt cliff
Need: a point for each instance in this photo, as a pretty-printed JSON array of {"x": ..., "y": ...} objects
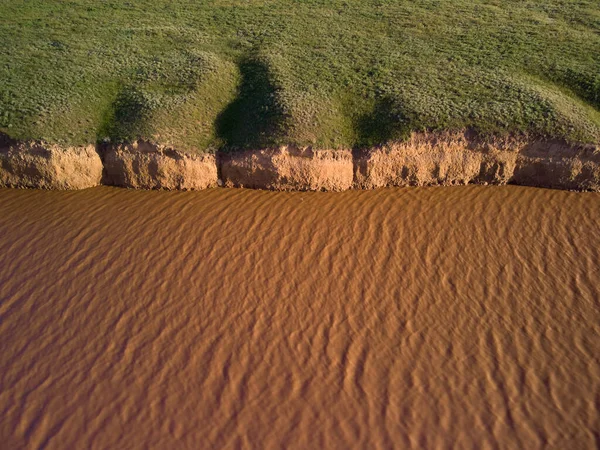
[
  {"x": 425, "y": 159},
  {"x": 144, "y": 165},
  {"x": 288, "y": 168},
  {"x": 459, "y": 158},
  {"x": 44, "y": 166}
]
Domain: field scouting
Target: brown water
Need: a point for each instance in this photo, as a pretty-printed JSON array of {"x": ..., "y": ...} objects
[{"x": 464, "y": 317}]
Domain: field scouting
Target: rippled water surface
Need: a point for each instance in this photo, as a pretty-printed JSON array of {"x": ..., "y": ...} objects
[{"x": 463, "y": 317}]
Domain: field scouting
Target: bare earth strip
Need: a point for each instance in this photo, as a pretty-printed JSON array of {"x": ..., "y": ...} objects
[
  {"x": 426, "y": 159},
  {"x": 462, "y": 317}
]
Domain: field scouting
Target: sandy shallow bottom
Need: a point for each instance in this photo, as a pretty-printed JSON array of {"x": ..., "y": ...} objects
[{"x": 464, "y": 317}]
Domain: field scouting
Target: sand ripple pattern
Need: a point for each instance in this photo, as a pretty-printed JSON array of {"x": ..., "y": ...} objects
[{"x": 405, "y": 318}]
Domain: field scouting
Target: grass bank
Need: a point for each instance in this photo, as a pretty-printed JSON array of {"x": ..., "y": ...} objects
[{"x": 207, "y": 75}]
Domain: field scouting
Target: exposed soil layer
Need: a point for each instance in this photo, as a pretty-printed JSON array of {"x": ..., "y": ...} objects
[
  {"x": 144, "y": 165},
  {"x": 450, "y": 159},
  {"x": 37, "y": 165},
  {"x": 289, "y": 169},
  {"x": 425, "y": 159}
]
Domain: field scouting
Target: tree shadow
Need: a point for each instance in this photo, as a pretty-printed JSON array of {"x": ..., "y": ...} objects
[
  {"x": 6, "y": 140},
  {"x": 126, "y": 119},
  {"x": 256, "y": 118},
  {"x": 385, "y": 122},
  {"x": 585, "y": 85}
]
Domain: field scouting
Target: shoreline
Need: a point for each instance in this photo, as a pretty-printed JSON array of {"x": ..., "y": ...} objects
[{"x": 426, "y": 159}]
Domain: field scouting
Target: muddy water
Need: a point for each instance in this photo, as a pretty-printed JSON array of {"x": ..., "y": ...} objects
[{"x": 463, "y": 317}]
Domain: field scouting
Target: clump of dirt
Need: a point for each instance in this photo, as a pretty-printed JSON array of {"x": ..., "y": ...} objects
[
  {"x": 145, "y": 165},
  {"x": 288, "y": 168},
  {"x": 460, "y": 158},
  {"x": 44, "y": 166}
]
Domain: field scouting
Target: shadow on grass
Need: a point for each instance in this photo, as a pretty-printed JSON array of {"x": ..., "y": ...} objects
[
  {"x": 256, "y": 118},
  {"x": 385, "y": 122},
  {"x": 6, "y": 140},
  {"x": 127, "y": 117},
  {"x": 585, "y": 85}
]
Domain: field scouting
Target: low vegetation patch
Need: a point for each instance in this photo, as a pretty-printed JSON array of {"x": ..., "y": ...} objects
[{"x": 241, "y": 74}]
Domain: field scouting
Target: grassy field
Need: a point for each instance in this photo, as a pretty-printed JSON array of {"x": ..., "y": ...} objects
[{"x": 207, "y": 75}]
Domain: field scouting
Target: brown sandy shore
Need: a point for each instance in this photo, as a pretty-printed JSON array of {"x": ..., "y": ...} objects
[
  {"x": 425, "y": 159},
  {"x": 461, "y": 317}
]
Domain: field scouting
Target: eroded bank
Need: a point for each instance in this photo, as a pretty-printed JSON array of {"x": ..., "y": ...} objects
[{"x": 426, "y": 159}]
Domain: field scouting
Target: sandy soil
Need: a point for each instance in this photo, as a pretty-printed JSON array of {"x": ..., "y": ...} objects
[
  {"x": 144, "y": 165},
  {"x": 463, "y": 317},
  {"x": 288, "y": 169},
  {"x": 44, "y": 166},
  {"x": 459, "y": 158},
  {"x": 426, "y": 159}
]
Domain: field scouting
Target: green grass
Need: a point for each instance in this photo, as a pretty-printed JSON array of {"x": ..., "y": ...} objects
[{"x": 206, "y": 75}]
